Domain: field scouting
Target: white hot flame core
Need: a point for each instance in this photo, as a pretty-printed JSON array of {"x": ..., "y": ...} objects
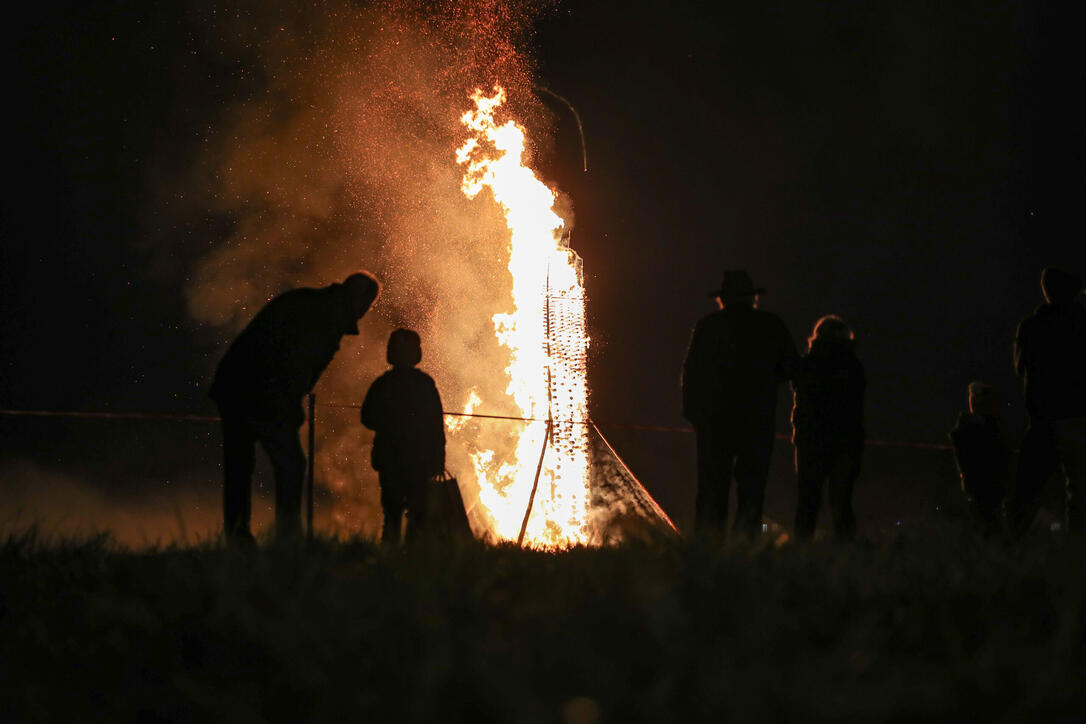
[{"x": 545, "y": 334}]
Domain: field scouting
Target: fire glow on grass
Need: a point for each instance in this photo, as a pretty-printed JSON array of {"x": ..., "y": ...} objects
[{"x": 545, "y": 334}]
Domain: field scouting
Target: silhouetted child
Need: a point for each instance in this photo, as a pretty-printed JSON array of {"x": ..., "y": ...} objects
[
  {"x": 983, "y": 456},
  {"x": 828, "y": 426},
  {"x": 403, "y": 408}
]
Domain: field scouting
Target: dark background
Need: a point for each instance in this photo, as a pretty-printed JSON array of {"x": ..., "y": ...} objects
[{"x": 910, "y": 168}]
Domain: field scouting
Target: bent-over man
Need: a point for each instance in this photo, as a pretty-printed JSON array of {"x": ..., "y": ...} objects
[{"x": 259, "y": 386}]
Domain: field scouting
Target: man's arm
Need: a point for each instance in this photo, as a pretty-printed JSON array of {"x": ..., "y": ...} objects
[
  {"x": 789, "y": 361},
  {"x": 323, "y": 361},
  {"x": 301, "y": 340},
  {"x": 694, "y": 374}
]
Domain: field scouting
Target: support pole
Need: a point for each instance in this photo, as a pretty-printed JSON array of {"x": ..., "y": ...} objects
[
  {"x": 550, "y": 409},
  {"x": 311, "y": 463},
  {"x": 535, "y": 484}
]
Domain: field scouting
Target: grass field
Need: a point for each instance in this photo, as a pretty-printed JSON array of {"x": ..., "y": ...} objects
[{"x": 936, "y": 626}]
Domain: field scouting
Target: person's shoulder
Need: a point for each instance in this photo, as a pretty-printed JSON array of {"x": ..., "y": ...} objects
[
  {"x": 767, "y": 316},
  {"x": 970, "y": 419},
  {"x": 289, "y": 301},
  {"x": 709, "y": 325},
  {"x": 1049, "y": 319},
  {"x": 770, "y": 320},
  {"x": 384, "y": 378},
  {"x": 421, "y": 377},
  {"x": 1041, "y": 314},
  {"x": 1026, "y": 322},
  {"x": 295, "y": 294},
  {"x": 710, "y": 319},
  {"x": 409, "y": 376}
]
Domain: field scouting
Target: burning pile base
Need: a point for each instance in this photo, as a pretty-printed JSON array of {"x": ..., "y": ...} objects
[{"x": 620, "y": 508}]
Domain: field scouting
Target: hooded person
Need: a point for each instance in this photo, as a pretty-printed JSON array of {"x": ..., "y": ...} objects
[
  {"x": 738, "y": 356},
  {"x": 827, "y": 426},
  {"x": 1050, "y": 359},
  {"x": 259, "y": 386},
  {"x": 403, "y": 408}
]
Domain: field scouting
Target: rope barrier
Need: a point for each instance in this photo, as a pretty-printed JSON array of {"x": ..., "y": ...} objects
[
  {"x": 342, "y": 405},
  {"x": 111, "y": 415},
  {"x": 677, "y": 428}
]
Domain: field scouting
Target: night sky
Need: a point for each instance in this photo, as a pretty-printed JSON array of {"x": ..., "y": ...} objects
[{"x": 910, "y": 167}]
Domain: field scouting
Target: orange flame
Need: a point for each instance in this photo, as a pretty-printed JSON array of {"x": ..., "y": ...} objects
[{"x": 545, "y": 334}]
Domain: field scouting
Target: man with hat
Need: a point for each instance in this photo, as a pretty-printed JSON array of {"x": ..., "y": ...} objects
[
  {"x": 1050, "y": 358},
  {"x": 259, "y": 386},
  {"x": 737, "y": 358}
]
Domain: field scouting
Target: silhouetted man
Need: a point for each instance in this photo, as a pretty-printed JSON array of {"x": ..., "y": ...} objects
[
  {"x": 737, "y": 358},
  {"x": 1050, "y": 357},
  {"x": 403, "y": 408},
  {"x": 259, "y": 386}
]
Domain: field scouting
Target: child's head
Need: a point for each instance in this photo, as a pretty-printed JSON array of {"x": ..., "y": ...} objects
[
  {"x": 830, "y": 329},
  {"x": 404, "y": 348},
  {"x": 983, "y": 399},
  {"x": 1060, "y": 287}
]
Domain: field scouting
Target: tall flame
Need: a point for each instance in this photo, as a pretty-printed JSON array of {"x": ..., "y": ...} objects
[{"x": 545, "y": 334}]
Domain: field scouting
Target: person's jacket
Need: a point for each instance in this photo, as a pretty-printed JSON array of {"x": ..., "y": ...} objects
[
  {"x": 828, "y": 387},
  {"x": 1050, "y": 357},
  {"x": 982, "y": 455},
  {"x": 736, "y": 359},
  {"x": 281, "y": 354},
  {"x": 403, "y": 408}
]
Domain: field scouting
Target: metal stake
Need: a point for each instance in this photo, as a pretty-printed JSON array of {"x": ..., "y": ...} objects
[{"x": 535, "y": 484}]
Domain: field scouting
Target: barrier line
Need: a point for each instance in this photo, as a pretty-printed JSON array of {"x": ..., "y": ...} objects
[
  {"x": 111, "y": 415},
  {"x": 612, "y": 425}
]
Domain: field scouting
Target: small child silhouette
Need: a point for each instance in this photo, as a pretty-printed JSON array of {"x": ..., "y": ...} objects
[
  {"x": 403, "y": 408},
  {"x": 983, "y": 456}
]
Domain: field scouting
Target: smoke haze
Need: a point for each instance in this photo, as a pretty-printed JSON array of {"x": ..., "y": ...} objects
[
  {"x": 63, "y": 505},
  {"x": 342, "y": 157}
]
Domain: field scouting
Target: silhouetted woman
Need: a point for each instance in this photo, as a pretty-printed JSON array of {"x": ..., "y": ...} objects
[
  {"x": 403, "y": 408},
  {"x": 827, "y": 427}
]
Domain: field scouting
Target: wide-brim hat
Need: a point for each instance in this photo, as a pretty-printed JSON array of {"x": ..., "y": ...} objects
[{"x": 737, "y": 283}]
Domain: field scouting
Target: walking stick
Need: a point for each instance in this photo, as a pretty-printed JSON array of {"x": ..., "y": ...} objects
[{"x": 311, "y": 463}]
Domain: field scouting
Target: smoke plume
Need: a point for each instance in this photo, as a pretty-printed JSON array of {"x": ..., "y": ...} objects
[{"x": 341, "y": 156}]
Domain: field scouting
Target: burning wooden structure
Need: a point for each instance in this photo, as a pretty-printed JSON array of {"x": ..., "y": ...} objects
[{"x": 561, "y": 484}]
